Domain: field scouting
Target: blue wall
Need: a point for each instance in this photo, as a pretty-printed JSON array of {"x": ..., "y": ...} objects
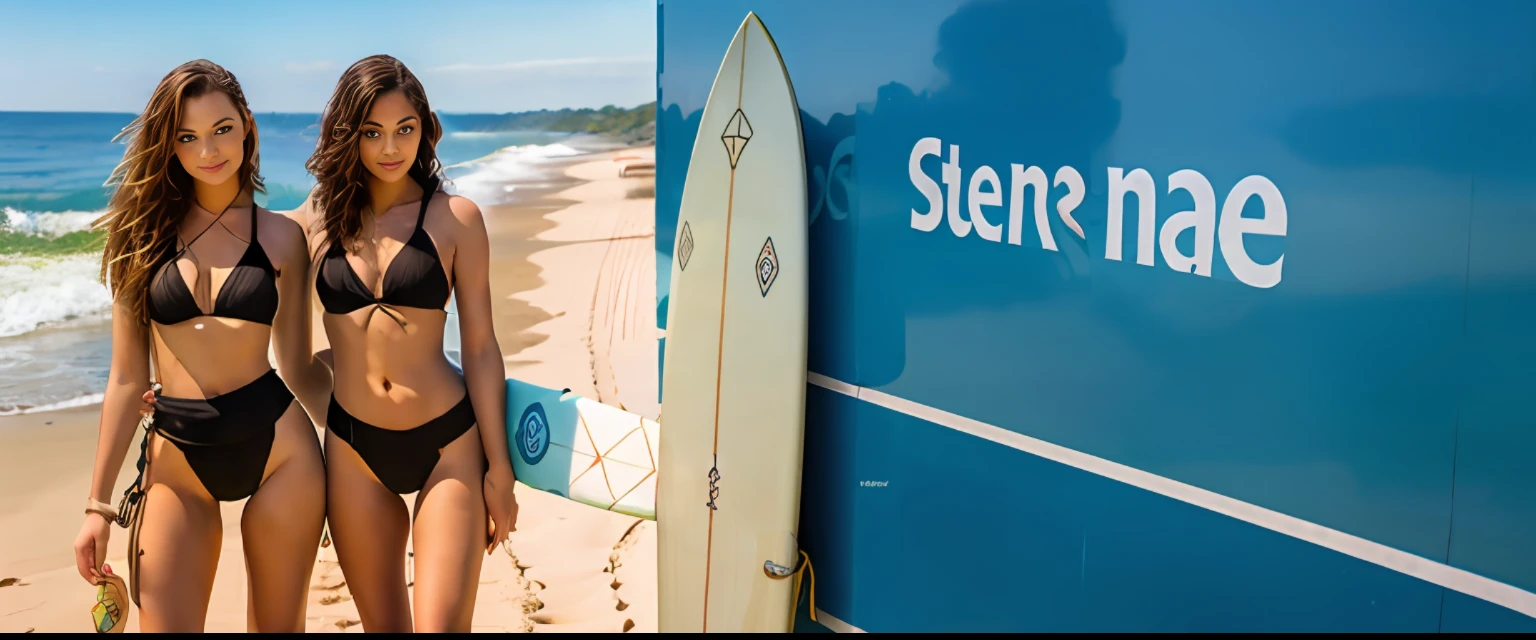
[{"x": 1378, "y": 388}]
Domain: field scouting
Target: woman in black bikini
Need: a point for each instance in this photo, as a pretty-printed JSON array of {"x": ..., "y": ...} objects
[
  {"x": 203, "y": 282},
  {"x": 390, "y": 249}
]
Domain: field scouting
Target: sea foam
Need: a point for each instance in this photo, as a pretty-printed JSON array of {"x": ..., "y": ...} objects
[
  {"x": 81, "y": 401},
  {"x": 46, "y": 290},
  {"x": 492, "y": 179},
  {"x": 49, "y": 224}
]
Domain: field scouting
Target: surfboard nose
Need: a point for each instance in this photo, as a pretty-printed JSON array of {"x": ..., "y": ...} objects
[{"x": 751, "y": 21}]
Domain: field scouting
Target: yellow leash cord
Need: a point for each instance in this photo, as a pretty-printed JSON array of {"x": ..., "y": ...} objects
[{"x": 805, "y": 568}]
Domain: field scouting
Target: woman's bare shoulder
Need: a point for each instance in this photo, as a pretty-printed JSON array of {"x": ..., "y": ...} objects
[
  {"x": 465, "y": 211},
  {"x": 307, "y": 216},
  {"x": 282, "y": 236}
]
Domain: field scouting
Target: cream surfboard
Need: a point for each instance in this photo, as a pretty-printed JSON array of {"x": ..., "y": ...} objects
[
  {"x": 582, "y": 449},
  {"x": 733, "y": 387}
]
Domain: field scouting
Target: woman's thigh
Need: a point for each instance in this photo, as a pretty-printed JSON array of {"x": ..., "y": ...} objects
[
  {"x": 179, "y": 537},
  {"x": 281, "y": 527},
  {"x": 369, "y": 527},
  {"x": 450, "y": 537}
]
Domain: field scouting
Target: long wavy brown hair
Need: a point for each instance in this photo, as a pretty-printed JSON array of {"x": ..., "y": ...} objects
[
  {"x": 152, "y": 190},
  {"x": 341, "y": 190}
]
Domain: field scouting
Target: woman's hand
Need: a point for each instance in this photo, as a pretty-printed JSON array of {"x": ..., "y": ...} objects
[
  {"x": 500, "y": 505},
  {"x": 91, "y": 547}
]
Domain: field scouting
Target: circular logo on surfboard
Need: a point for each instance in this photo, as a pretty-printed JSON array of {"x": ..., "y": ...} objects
[{"x": 532, "y": 434}]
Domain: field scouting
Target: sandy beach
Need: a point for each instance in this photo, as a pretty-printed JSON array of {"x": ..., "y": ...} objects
[{"x": 573, "y": 281}]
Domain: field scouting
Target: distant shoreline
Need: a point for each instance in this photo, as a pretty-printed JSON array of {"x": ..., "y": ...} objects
[{"x": 608, "y": 119}]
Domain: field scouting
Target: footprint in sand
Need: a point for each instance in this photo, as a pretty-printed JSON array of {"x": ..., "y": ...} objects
[
  {"x": 329, "y": 586},
  {"x": 615, "y": 561},
  {"x": 523, "y": 591}
]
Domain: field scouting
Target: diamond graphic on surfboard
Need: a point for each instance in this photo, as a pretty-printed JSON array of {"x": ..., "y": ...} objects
[
  {"x": 737, "y": 133},
  {"x": 767, "y": 267},
  {"x": 684, "y": 247}
]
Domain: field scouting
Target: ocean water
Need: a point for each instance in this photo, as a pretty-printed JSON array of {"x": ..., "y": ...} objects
[{"x": 55, "y": 342}]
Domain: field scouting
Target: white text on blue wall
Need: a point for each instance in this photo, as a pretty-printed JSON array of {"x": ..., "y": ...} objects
[{"x": 985, "y": 190}]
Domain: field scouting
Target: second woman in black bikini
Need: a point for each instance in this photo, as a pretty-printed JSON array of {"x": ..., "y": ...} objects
[
  {"x": 391, "y": 248},
  {"x": 203, "y": 282}
]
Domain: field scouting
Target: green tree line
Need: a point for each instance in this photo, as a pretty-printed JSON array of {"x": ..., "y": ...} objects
[{"x": 609, "y": 120}]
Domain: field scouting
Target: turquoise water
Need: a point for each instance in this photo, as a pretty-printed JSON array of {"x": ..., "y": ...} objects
[{"x": 52, "y": 162}]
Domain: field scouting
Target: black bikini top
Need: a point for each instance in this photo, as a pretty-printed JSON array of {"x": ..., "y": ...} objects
[
  {"x": 415, "y": 278},
  {"x": 249, "y": 293}
]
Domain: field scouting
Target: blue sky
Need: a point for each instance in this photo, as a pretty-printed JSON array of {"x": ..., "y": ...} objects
[{"x": 474, "y": 56}]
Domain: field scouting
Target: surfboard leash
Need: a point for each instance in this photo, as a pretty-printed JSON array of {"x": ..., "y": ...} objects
[{"x": 777, "y": 572}]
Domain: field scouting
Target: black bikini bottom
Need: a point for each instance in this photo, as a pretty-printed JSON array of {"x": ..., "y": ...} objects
[
  {"x": 402, "y": 460},
  {"x": 226, "y": 439}
]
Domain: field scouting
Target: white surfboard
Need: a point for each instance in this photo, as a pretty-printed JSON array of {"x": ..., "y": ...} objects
[
  {"x": 581, "y": 449},
  {"x": 733, "y": 388}
]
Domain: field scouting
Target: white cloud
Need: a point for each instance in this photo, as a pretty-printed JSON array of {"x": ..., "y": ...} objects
[
  {"x": 538, "y": 65},
  {"x": 309, "y": 67}
]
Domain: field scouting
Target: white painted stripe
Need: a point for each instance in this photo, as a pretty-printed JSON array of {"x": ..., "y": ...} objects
[
  {"x": 832, "y": 384},
  {"x": 1401, "y": 561},
  {"x": 827, "y": 620}
]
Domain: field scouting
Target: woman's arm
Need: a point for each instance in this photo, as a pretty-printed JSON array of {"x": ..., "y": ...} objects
[
  {"x": 127, "y": 385},
  {"x": 292, "y": 332},
  {"x": 320, "y": 344},
  {"x": 485, "y": 372},
  {"x": 127, "y": 380}
]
